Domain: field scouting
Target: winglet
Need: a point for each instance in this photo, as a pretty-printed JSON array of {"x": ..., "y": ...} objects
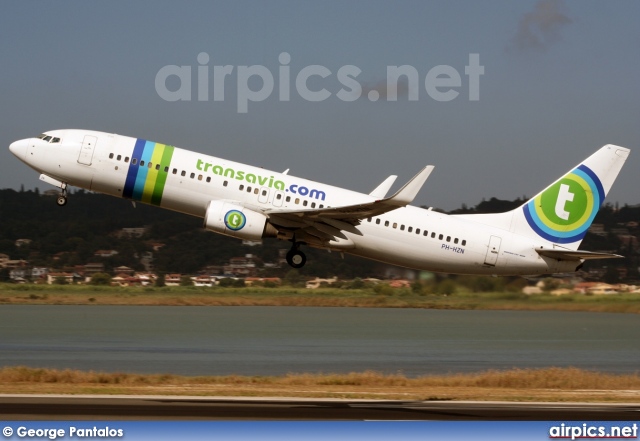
[
  {"x": 408, "y": 192},
  {"x": 381, "y": 190}
]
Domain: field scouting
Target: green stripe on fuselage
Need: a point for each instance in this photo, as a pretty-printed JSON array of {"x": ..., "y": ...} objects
[{"x": 161, "y": 180}]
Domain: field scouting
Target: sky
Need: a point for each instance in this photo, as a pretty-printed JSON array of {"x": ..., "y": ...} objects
[{"x": 559, "y": 79}]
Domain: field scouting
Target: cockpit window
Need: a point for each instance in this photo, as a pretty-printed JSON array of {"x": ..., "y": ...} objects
[{"x": 48, "y": 138}]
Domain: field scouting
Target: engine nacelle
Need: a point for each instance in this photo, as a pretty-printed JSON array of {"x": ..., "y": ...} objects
[{"x": 237, "y": 221}]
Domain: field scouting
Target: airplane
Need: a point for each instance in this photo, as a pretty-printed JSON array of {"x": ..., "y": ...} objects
[{"x": 540, "y": 237}]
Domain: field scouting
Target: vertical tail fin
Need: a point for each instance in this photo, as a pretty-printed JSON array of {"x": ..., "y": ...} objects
[{"x": 563, "y": 212}]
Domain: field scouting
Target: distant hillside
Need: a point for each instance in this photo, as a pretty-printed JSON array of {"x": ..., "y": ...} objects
[{"x": 70, "y": 235}]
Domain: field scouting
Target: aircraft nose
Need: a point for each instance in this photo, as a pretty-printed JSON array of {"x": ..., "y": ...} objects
[{"x": 19, "y": 148}]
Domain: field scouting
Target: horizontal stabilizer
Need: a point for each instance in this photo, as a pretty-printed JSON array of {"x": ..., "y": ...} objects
[{"x": 576, "y": 255}]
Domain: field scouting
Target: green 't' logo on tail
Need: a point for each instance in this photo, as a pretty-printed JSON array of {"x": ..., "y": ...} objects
[{"x": 563, "y": 212}]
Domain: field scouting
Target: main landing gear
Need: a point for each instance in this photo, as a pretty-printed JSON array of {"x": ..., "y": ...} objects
[
  {"x": 295, "y": 257},
  {"x": 62, "y": 197}
]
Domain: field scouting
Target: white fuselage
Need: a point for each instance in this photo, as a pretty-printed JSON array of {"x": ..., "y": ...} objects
[{"x": 187, "y": 181}]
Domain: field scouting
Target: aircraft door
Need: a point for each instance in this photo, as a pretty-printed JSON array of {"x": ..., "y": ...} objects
[
  {"x": 277, "y": 198},
  {"x": 86, "y": 151},
  {"x": 492, "y": 251},
  {"x": 263, "y": 196}
]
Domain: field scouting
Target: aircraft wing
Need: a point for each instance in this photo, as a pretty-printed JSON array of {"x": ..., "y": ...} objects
[
  {"x": 328, "y": 223},
  {"x": 576, "y": 255}
]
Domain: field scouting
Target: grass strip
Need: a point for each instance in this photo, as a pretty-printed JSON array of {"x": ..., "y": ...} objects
[{"x": 548, "y": 384}]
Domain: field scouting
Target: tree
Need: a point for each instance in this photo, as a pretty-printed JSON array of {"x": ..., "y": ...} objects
[
  {"x": 294, "y": 278},
  {"x": 160, "y": 280},
  {"x": 60, "y": 280},
  {"x": 103, "y": 279}
]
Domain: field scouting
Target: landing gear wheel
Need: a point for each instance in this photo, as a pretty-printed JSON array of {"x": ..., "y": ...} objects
[
  {"x": 296, "y": 258},
  {"x": 62, "y": 197}
]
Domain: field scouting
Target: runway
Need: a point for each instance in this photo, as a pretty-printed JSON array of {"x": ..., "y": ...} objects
[{"x": 59, "y": 407}]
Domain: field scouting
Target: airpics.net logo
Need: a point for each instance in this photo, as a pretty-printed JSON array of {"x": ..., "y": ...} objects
[{"x": 257, "y": 83}]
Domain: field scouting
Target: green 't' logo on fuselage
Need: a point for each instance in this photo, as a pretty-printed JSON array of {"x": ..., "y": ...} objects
[{"x": 235, "y": 220}]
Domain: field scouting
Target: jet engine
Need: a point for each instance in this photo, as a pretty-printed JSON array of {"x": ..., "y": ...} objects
[{"x": 237, "y": 221}]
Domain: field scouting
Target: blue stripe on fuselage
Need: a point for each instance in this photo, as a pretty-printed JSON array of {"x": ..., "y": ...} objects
[
  {"x": 133, "y": 169},
  {"x": 141, "y": 178}
]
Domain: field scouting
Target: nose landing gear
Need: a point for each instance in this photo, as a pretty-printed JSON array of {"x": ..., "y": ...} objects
[{"x": 62, "y": 197}]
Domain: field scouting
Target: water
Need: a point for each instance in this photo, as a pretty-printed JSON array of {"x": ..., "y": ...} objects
[{"x": 279, "y": 340}]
